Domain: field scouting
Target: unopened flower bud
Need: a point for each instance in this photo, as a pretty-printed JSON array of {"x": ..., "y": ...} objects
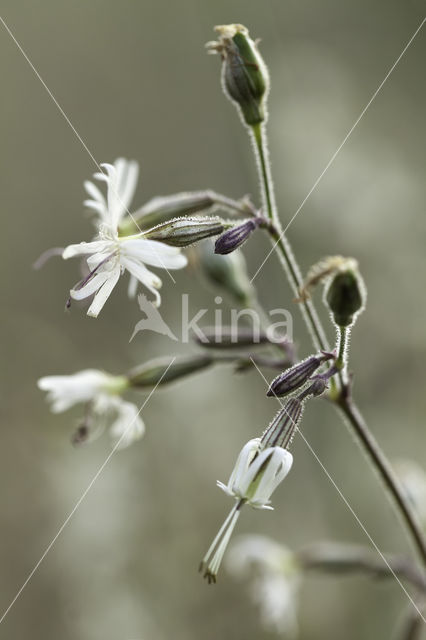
[
  {"x": 296, "y": 376},
  {"x": 162, "y": 208},
  {"x": 224, "y": 337},
  {"x": 165, "y": 370},
  {"x": 283, "y": 427},
  {"x": 227, "y": 272},
  {"x": 235, "y": 237},
  {"x": 245, "y": 77},
  {"x": 182, "y": 232},
  {"x": 345, "y": 296},
  {"x": 317, "y": 388}
]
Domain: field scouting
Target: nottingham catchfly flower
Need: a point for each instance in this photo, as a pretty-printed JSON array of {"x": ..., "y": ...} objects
[
  {"x": 110, "y": 254},
  {"x": 256, "y": 475},
  {"x": 101, "y": 394}
]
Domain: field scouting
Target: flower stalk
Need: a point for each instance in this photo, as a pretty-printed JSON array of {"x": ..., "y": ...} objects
[{"x": 341, "y": 395}]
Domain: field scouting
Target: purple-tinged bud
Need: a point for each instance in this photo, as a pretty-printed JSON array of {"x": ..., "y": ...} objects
[
  {"x": 296, "y": 376},
  {"x": 317, "y": 388},
  {"x": 235, "y": 237},
  {"x": 281, "y": 431}
]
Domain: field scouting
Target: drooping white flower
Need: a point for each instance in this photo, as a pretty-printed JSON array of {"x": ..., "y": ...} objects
[
  {"x": 100, "y": 392},
  {"x": 256, "y": 475},
  {"x": 274, "y": 580},
  {"x": 109, "y": 255}
]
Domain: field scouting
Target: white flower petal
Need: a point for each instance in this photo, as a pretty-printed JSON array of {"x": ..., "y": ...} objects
[
  {"x": 95, "y": 206},
  {"x": 90, "y": 287},
  {"x": 128, "y": 426},
  {"x": 85, "y": 248},
  {"x": 154, "y": 253},
  {"x": 133, "y": 287},
  {"x": 104, "y": 292},
  {"x": 94, "y": 192},
  {"x": 65, "y": 391},
  {"x": 146, "y": 277}
]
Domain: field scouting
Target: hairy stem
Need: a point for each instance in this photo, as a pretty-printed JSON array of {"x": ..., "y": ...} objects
[
  {"x": 341, "y": 397},
  {"x": 279, "y": 240}
]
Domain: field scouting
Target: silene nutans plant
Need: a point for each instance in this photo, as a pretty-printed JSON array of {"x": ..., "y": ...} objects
[{"x": 209, "y": 231}]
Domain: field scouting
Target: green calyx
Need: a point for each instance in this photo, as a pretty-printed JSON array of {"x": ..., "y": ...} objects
[
  {"x": 345, "y": 297},
  {"x": 244, "y": 73}
]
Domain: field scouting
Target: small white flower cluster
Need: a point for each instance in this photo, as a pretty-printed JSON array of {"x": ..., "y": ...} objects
[
  {"x": 274, "y": 580},
  {"x": 100, "y": 392},
  {"x": 109, "y": 255}
]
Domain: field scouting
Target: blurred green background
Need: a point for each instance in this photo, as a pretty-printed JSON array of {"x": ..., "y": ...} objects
[{"x": 135, "y": 81}]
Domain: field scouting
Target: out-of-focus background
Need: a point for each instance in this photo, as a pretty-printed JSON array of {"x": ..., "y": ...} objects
[{"x": 134, "y": 79}]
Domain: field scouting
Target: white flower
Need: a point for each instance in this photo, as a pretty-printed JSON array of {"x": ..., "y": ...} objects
[
  {"x": 101, "y": 393},
  {"x": 275, "y": 580},
  {"x": 256, "y": 475},
  {"x": 109, "y": 254}
]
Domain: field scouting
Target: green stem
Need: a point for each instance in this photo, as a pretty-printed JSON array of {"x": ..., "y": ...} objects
[
  {"x": 280, "y": 242},
  {"x": 342, "y": 356},
  {"x": 342, "y": 396}
]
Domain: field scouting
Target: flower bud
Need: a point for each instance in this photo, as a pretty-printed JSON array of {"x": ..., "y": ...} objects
[
  {"x": 296, "y": 376},
  {"x": 245, "y": 77},
  {"x": 181, "y": 232},
  {"x": 317, "y": 388},
  {"x": 224, "y": 337},
  {"x": 235, "y": 237},
  {"x": 160, "y": 371},
  {"x": 283, "y": 427},
  {"x": 163, "y": 208},
  {"x": 345, "y": 296},
  {"x": 227, "y": 272}
]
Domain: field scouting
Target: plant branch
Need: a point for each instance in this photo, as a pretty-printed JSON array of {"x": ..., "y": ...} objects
[
  {"x": 343, "y": 559},
  {"x": 342, "y": 396}
]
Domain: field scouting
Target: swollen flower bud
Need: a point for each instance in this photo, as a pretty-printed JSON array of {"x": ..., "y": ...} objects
[
  {"x": 296, "y": 376},
  {"x": 245, "y": 77},
  {"x": 188, "y": 203},
  {"x": 283, "y": 427},
  {"x": 163, "y": 208},
  {"x": 165, "y": 370},
  {"x": 224, "y": 337},
  {"x": 235, "y": 237},
  {"x": 181, "y": 232},
  {"x": 345, "y": 296}
]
